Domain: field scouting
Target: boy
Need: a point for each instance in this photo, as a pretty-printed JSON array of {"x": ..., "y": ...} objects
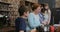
[{"x": 20, "y": 22}]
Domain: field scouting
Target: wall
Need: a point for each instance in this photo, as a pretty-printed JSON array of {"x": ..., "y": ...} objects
[
  {"x": 57, "y": 3},
  {"x": 15, "y": 4}
]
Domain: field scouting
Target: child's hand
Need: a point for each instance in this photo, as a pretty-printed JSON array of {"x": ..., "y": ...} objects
[
  {"x": 44, "y": 23},
  {"x": 47, "y": 22}
]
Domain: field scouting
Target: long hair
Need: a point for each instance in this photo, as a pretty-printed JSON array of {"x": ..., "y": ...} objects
[{"x": 43, "y": 9}]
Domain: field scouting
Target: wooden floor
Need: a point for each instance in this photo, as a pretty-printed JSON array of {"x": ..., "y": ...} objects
[
  {"x": 7, "y": 29},
  {"x": 12, "y": 29}
]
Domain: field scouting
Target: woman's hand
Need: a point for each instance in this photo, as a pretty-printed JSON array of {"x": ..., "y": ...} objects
[
  {"x": 33, "y": 30},
  {"x": 21, "y": 31}
]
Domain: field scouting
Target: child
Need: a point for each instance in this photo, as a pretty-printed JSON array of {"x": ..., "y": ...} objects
[
  {"x": 20, "y": 22},
  {"x": 47, "y": 16}
]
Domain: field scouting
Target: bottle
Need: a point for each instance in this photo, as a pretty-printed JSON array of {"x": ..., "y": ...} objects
[{"x": 52, "y": 29}]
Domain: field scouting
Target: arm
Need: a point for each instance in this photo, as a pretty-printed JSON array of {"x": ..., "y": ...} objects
[
  {"x": 49, "y": 16},
  {"x": 31, "y": 21}
]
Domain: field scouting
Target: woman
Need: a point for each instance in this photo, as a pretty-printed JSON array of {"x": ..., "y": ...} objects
[{"x": 33, "y": 18}]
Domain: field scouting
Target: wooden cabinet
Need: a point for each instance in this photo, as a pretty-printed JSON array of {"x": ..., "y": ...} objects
[{"x": 58, "y": 29}]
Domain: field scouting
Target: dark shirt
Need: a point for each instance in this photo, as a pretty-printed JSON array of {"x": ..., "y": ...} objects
[{"x": 20, "y": 24}]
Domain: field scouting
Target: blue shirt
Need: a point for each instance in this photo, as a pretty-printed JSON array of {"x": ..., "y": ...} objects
[
  {"x": 20, "y": 24},
  {"x": 33, "y": 20},
  {"x": 41, "y": 17}
]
